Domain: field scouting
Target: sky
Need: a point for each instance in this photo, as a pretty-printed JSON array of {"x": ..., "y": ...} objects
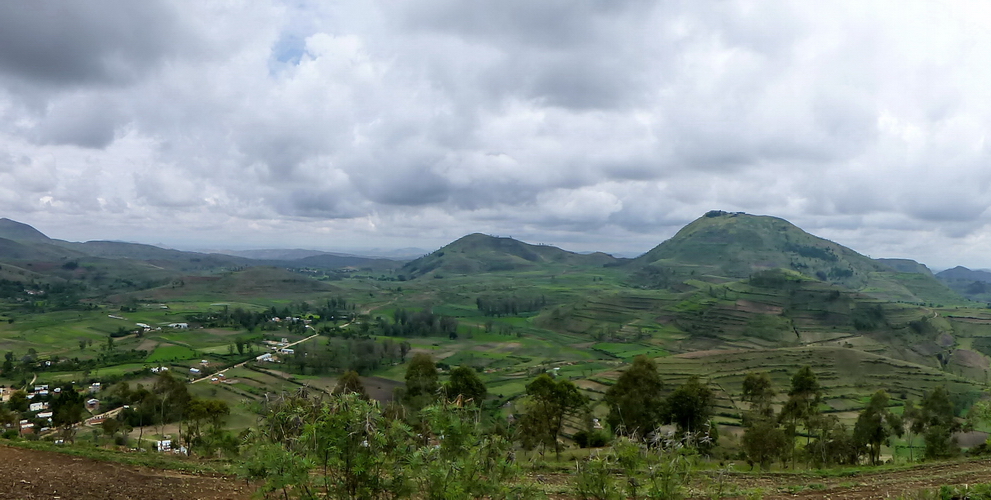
[{"x": 592, "y": 125}]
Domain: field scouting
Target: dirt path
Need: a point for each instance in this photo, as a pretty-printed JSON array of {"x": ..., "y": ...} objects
[{"x": 31, "y": 474}]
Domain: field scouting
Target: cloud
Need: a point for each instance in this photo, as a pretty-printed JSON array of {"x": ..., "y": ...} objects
[
  {"x": 71, "y": 43},
  {"x": 603, "y": 126}
]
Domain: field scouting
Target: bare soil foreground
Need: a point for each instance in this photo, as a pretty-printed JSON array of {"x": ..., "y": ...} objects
[
  {"x": 31, "y": 474},
  {"x": 868, "y": 484}
]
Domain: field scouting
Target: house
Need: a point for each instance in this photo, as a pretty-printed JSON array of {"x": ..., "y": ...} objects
[
  {"x": 91, "y": 404},
  {"x": 179, "y": 326},
  {"x": 158, "y": 369},
  {"x": 94, "y": 387},
  {"x": 36, "y": 406},
  {"x": 287, "y": 351},
  {"x": 45, "y": 415},
  {"x": 164, "y": 445},
  {"x": 204, "y": 362},
  {"x": 194, "y": 371},
  {"x": 264, "y": 357},
  {"x": 143, "y": 325}
]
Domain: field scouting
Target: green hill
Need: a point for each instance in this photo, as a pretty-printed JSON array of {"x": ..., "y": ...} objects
[
  {"x": 973, "y": 284},
  {"x": 722, "y": 246},
  {"x": 905, "y": 266},
  {"x": 18, "y": 231},
  {"x": 480, "y": 253}
]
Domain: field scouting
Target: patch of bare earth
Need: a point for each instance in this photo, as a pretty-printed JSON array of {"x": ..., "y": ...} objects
[
  {"x": 32, "y": 474},
  {"x": 864, "y": 485}
]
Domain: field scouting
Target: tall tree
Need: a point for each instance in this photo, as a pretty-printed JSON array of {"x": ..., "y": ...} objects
[
  {"x": 690, "y": 406},
  {"x": 763, "y": 441},
  {"x": 464, "y": 382},
  {"x": 67, "y": 410},
  {"x": 636, "y": 406},
  {"x": 875, "y": 425},
  {"x": 802, "y": 405},
  {"x": 914, "y": 425},
  {"x": 759, "y": 392},
  {"x": 421, "y": 381},
  {"x": 549, "y": 401},
  {"x": 939, "y": 421}
]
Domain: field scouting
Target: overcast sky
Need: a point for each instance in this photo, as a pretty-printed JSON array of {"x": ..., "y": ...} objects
[{"x": 591, "y": 125}]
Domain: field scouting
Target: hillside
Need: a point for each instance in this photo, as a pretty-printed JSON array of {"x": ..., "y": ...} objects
[
  {"x": 905, "y": 266},
  {"x": 722, "y": 246},
  {"x": 973, "y": 284},
  {"x": 251, "y": 282},
  {"x": 18, "y": 231},
  {"x": 480, "y": 253}
]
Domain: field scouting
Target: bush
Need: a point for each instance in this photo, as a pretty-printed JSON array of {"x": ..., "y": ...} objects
[{"x": 594, "y": 439}]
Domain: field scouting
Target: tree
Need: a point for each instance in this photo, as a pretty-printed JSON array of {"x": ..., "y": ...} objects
[
  {"x": 939, "y": 422},
  {"x": 636, "y": 406},
  {"x": 802, "y": 405},
  {"x": 875, "y": 425},
  {"x": 350, "y": 383},
  {"x": 914, "y": 426},
  {"x": 759, "y": 392},
  {"x": 110, "y": 427},
  {"x": 549, "y": 401},
  {"x": 464, "y": 382},
  {"x": 763, "y": 440},
  {"x": 67, "y": 409},
  {"x": 18, "y": 401},
  {"x": 421, "y": 381},
  {"x": 690, "y": 406}
]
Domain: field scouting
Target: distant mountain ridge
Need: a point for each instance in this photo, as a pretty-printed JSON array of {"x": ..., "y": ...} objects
[
  {"x": 481, "y": 253},
  {"x": 717, "y": 246}
]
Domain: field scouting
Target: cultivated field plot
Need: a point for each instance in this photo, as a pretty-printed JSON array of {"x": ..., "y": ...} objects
[{"x": 32, "y": 474}]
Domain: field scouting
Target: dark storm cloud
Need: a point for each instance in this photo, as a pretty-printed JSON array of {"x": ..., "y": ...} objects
[{"x": 70, "y": 43}]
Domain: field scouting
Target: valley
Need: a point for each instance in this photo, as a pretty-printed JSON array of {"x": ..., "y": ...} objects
[{"x": 729, "y": 295}]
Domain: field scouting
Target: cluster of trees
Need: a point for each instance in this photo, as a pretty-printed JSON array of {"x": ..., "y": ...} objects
[
  {"x": 418, "y": 324},
  {"x": 330, "y": 310},
  {"x": 337, "y": 355},
  {"x": 638, "y": 406},
  {"x": 771, "y": 435},
  {"x": 201, "y": 421},
  {"x": 65, "y": 402},
  {"x": 31, "y": 363},
  {"x": 509, "y": 306}
]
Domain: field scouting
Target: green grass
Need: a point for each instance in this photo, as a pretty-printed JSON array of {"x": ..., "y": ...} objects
[{"x": 171, "y": 353}]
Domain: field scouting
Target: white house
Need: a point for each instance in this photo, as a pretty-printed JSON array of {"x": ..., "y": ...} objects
[
  {"x": 194, "y": 371},
  {"x": 179, "y": 326}
]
